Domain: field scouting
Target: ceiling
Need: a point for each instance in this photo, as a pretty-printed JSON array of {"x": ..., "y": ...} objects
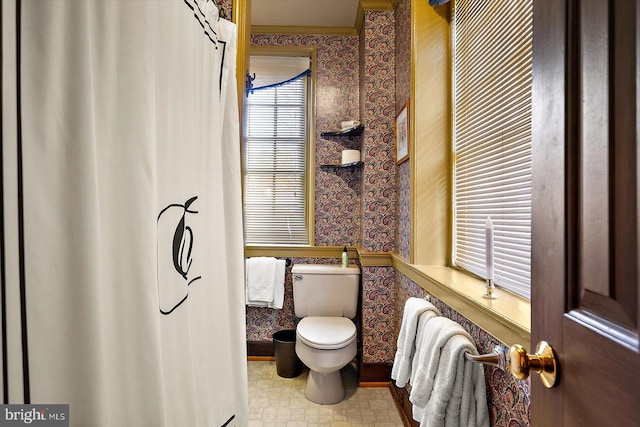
[{"x": 304, "y": 13}]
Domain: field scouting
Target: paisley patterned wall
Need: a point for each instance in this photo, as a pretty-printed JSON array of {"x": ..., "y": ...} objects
[
  {"x": 403, "y": 51},
  {"x": 403, "y": 92},
  {"x": 509, "y": 399},
  {"x": 404, "y": 210},
  {"x": 377, "y": 98},
  {"x": 377, "y": 101},
  {"x": 226, "y": 8},
  {"x": 378, "y": 315}
]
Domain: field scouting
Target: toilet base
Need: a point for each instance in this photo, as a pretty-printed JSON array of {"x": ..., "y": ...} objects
[{"x": 325, "y": 389}]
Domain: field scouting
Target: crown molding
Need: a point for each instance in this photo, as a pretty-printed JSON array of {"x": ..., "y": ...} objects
[
  {"x": 359, "y": 19},
  {"x": 377, "y": 4},
  {"x": 364, "y": 5}
]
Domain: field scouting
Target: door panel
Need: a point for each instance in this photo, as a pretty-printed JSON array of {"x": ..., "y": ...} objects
[
  {"x": 598, "y": 381},
  {"x": 585, "y": 291}
]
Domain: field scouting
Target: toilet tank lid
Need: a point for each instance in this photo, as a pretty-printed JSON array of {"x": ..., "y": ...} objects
[{"x": 324, "y": 269}]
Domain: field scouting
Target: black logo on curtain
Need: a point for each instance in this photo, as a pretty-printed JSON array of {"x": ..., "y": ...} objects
[{"x": 176, "y": 271}]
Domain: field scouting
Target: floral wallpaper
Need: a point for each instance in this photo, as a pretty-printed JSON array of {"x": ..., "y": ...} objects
[
  {"x": 509, "y": 399},
  {"x": 225, "y": 8},
  {"x": 404, "y": 210},
  {"x": 378, "y": 315},
  {"x": 377, "y": 100},
  {"x": 403, "y": 92},
  {"x": 403, "y": 51}
]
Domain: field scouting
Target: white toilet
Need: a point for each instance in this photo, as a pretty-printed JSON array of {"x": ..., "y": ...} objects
[{"x": 325, "y": 296}]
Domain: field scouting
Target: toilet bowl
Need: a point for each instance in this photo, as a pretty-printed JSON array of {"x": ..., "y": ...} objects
[
  {"x": 325, "y": 297},
  {"x": 325, "y": 345}
]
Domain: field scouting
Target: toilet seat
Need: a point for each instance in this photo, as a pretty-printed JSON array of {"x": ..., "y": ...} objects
[{"x": 326, "y": 333}]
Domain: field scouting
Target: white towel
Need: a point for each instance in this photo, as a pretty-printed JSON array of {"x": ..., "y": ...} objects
[
  {"x": 261, "y": 273},
  {"x": 265, "y": 282},
  {"x": 278, "y": 287},
  {"x": 420, "y": 334},
  {"x": 413, "y": 310},
  {"x": 447, "y": 390}
]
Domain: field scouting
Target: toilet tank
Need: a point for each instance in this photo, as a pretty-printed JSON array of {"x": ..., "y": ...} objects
[{"x": 325, "y": 290}]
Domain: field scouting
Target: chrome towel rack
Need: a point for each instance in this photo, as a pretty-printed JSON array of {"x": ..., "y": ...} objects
[
  {"x": 498, "y": 357},
  {"x": 517, "y": 361}
]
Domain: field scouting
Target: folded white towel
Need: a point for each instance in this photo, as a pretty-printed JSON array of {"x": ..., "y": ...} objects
[
  {"x": 447, "y": 390},
  {"x": 413, "y": 310},
  {"x": 349, "y": 124},
  {"x": 265, "y": 282},
  {"x": 261, "y": 272}
]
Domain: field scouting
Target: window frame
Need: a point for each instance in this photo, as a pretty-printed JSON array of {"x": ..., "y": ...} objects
[
  {"x": 308, "y": 52},
  {"x": 452, "y": 192}
]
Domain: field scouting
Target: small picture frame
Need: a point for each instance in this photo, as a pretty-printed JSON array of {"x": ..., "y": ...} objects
[{"x": 402, "y": 134}]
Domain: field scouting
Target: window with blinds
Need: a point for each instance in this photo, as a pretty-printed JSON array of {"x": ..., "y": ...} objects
[
  {"x": 275, "y": 166},
  {"x": 492, "y": 78}
]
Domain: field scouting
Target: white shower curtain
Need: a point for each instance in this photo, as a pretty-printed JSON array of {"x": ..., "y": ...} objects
[{"x": 122, "y": 272}]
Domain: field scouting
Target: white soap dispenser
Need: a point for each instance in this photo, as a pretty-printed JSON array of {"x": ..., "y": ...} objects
[{"x": 345, "y": 257}]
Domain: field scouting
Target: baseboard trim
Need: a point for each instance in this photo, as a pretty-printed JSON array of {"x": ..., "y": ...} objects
[
  {"x": 375, "y": 373},
  {"x": 260, "y": 358},
  {"x": 260, "y": 348},
  {"x": 373, "y": 384},
  {"x": 401, "y": 398}
]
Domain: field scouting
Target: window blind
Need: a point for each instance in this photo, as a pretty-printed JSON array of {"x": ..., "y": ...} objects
[
  {"x": 275, "y": 166},
  {"x": 492, "y": 78}
]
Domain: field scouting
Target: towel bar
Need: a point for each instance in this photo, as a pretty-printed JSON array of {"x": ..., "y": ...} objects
[
  {"x": 498, "y": 357},
  {"x": 287, "y": 261}
]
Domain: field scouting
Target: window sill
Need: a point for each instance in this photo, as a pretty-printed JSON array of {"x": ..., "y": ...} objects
[{"x": 507, "y": 318}]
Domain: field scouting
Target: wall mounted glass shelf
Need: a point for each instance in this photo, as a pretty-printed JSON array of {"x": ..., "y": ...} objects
[
  {"x": 343, "y": 166},
  {"x": 354, "y": 131}
]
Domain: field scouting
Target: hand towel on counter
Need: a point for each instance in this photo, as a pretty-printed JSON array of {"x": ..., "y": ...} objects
[
  {"x": 265, "y": 282},
  {"x": 413, "y": 309},
  {"x": 448, "y": 390}
]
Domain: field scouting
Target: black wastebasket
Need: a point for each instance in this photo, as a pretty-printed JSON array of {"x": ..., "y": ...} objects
[{"x": 284, "y": 347}]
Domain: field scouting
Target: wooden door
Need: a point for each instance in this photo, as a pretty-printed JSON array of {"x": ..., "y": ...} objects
[{"x": 585, "y": 210}]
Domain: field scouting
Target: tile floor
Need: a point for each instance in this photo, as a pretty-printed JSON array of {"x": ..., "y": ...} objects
[{"x": 276, "y": 401}]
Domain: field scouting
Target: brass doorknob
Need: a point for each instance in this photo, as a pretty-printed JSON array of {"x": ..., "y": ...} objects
[{"x": 543, "y": 362}]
